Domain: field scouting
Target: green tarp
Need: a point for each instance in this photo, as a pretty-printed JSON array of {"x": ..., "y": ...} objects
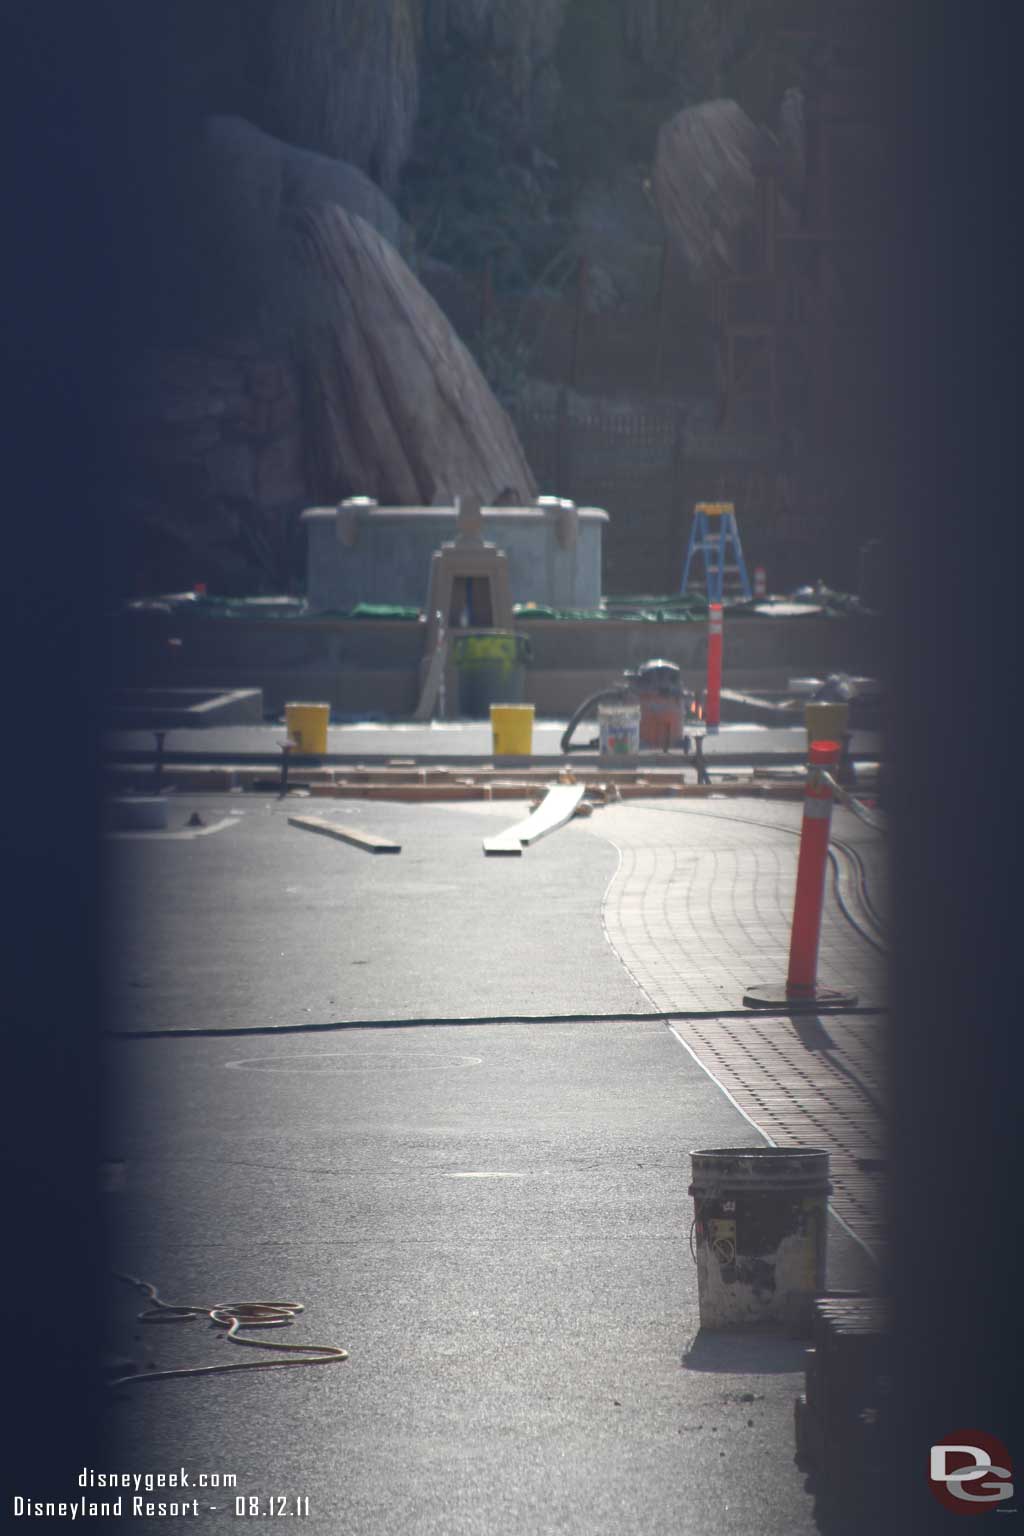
[{"x": 671, "y": 608}]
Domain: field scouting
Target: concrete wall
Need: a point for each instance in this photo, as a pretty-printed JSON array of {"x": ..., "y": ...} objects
[
  {"x": 362, "y": 553},
  {"x": 364, "y": 668}
]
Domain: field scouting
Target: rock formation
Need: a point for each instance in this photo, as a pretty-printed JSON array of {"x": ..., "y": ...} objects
[
  {"x": 212, "y": 466},
  {"x": 793, "y": 144},
  {"x": 395, "y": 404},
  {"x": 342, "y": 78},
  {"x": 258, "y": 179},
  {"x": 280, "y": 368},
  {"x": 251, "y": 185},
  {"x": 705, "y": 185}
]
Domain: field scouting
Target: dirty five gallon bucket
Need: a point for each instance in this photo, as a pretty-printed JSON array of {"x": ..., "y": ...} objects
[
  {"x": 512, "y": 729},
  {"x": 307, "y": 727},
  {"x": 759, "y": 1235},
  {"x": 618, "y": 729}
]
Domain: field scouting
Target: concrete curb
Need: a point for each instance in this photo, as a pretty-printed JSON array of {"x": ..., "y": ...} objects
[{"x": 440, "y": 785}]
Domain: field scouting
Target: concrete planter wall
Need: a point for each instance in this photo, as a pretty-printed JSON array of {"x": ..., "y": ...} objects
[
  {"x": 361, "y": 553},
  {"x": 372, "y": 667}
]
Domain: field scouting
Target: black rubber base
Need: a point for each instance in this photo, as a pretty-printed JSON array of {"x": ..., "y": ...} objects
[{"x": 779, "y": 1000}]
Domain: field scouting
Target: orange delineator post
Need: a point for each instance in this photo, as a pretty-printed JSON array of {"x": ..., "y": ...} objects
[
  {"x": 712, "y": 695},
  {"x": 810, "y": 874}
]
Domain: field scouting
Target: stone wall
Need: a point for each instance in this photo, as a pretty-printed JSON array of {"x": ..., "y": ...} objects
[{"x": 214, "y": 467}]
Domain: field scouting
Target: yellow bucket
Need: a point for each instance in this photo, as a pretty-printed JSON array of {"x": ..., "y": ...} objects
[
  {"x": 307, "y": 727},
  {"x": 826, "y": 722},
  {"x": 512, "y": 729}
]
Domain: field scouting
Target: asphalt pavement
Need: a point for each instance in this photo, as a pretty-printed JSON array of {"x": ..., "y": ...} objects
[
  {"x": 259, "y": 923},
  {"x": 491, "y": 1217},
  {"x": 493, "y": 1221}
]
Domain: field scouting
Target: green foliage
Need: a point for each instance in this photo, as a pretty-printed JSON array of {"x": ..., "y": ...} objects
[
  {"x": 626, "y": 68},
  {"x": 487, "y": 191},
  {"x": 594, "y": 131},
  {"x": 474, "y": 193},
  {"x": 503, "y": 356}
]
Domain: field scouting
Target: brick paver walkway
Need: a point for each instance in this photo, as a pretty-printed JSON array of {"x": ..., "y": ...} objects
[{"x": 700, "y": 909}]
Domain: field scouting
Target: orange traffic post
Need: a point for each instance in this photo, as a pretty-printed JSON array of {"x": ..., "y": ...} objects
[
  {"x": 802, "y": 992},
  {"x": 713, "y": 692},
  {"x": 805, "y": 935}
]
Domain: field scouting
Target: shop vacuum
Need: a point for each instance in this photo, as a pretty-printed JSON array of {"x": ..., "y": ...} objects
[{"x": 667, "y": 708}]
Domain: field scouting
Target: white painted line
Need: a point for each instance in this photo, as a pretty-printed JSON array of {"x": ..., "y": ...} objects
[
  {"x": 761, "y": 1132},
  {"x": 184, "y": 836},
  {"x": 490, "y": 1173},
  {"x": 329, "y": 1062},
  {"x": 708, "y": 1072}
]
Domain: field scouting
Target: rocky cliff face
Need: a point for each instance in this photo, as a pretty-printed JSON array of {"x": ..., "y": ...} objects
[
  {"x": 337, "y": 375},
  {"x": 395, "y": 405},
  {"x": 498, "y": 137},
  {"x": 342, "y": 78},
  {"x": 213, "y": 467},
  {"x": 705, "y": 180}
]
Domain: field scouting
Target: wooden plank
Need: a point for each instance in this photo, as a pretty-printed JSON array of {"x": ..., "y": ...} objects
[
  {"x": 557, "y": 807},
  {"x": 354, "y": 835},
  {"x": 432, "y": 683},
  {"x": 504, "y": 846}
]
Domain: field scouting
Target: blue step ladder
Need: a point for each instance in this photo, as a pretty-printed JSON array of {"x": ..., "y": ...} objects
[{"x": 716, "y": 538}]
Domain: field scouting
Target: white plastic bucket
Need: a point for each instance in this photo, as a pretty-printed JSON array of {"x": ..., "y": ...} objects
[{"x": 619, "y": 729}]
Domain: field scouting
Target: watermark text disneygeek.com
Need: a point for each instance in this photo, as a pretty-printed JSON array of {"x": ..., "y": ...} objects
[{"x": 130, "y": 1492}]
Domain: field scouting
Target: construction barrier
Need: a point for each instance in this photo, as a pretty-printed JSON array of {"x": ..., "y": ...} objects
[
  {"x": 801, "y": 990},
  {"x": 805, "y": 936}
]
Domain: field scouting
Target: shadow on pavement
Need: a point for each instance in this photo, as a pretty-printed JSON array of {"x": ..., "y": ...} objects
[
  {"x": 846, "y": 1508},
  {"x": 812, "y": 1033},
  {"x": 745, "y": 1354},
  {"x": 847, "y": 1494}
]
